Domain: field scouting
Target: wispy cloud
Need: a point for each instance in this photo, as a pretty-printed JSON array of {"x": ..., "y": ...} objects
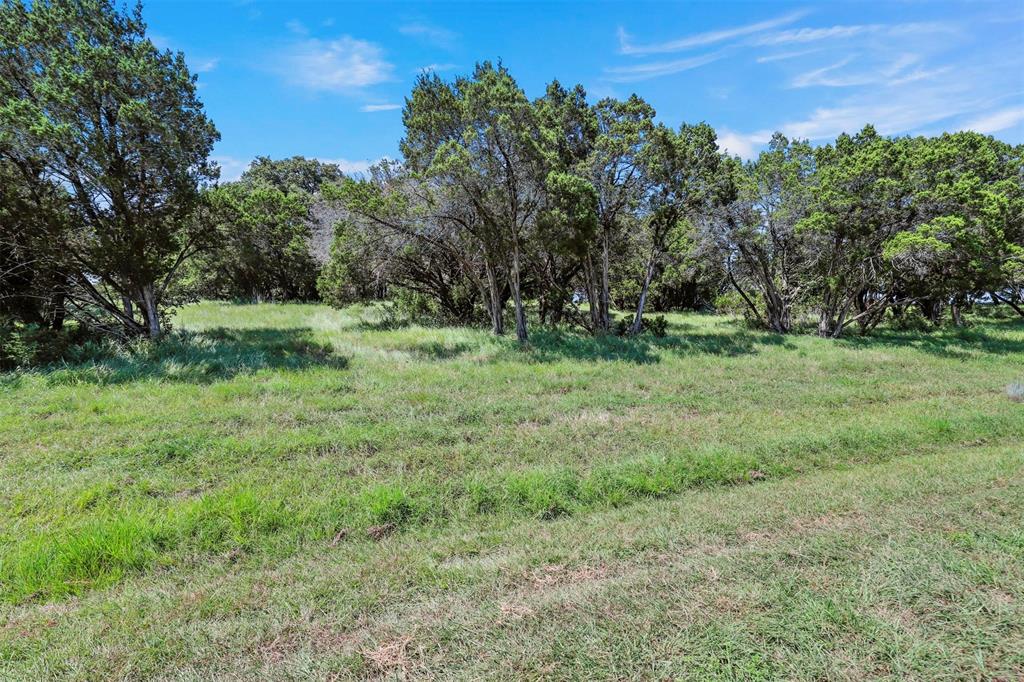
[
  {"x": 370, "y": 108},
  {"x": 820, "y": 76},
  {"x": 437, "y": 36},
  {"x": 893, "y": 111},
  {"x": 626, "y": 46},
  {"x": 810, "y": 35},
  {"x": 780, "y": 56},
  {"x": 205, "y": 65},
  {"x": 894, "y": 72},
  {"x": 336, "y": 65},
  {"x": 996, "y": 121},
  {"x": 639, "y": 72}
]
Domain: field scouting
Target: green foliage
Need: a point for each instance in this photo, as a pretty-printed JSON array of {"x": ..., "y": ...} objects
[
  {"x": 29, "y": 345},
  {"x": 656, "y": 326},
  {"x": 87, "y": 98},
  {"x": 263, "y": 252}
]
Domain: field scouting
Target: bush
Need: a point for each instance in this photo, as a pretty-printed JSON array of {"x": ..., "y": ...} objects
[
  {"x": 30, "y": 345},
  {"x": 656, "y": 326}
]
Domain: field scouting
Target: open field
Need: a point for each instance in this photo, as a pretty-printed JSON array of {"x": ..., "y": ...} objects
[{"x": 287, "y": 491}]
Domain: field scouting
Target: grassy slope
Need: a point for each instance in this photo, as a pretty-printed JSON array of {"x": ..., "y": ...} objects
[{"x": 196, "y": 494}]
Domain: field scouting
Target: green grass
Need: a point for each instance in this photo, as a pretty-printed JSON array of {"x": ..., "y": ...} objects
[{"x": 291, "y": 491}]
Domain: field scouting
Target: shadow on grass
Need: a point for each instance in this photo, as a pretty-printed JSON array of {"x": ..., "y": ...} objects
[
  {"x": 648, "y": 349},
  {"x": 436, "y": 350},
  {"x": 203, "y": 357},
  {"x": 548, "y": 345},
  {"x": 957, "y": 344},
  {"x": 554, "y": 344}
]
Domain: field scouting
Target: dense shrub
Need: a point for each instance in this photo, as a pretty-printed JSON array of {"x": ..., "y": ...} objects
[{"x": 28, "y": 345}]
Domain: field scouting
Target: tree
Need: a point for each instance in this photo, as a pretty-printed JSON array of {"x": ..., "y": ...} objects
[
  {"x": 614, "y": 169},
  {"x": 968, "y": 207},
  {"x": 263, "y": 249},
  {"x": 478, "y": 139},
  {"x": 861, "y": 198},
  {"x": 292, "y": 174},
  {"x": 682, "y": 174},
  {"x": 755, "y": 233},
  {"x": 117, "y": 123},
  {"x": 402, "y": 232},
  {"x": 308, "y": 176},
  {"x": 33, "y": 224},
  {"x": 562, "y": 244},
  {"x": 565, "y": 231}
]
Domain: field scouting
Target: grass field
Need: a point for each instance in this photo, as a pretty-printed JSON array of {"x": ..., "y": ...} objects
[{"x": 293, "y": 492}]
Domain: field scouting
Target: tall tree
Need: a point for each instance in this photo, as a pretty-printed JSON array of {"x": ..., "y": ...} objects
[
  {"x": 755, "y": 233},
  {"x": 568, "y": 128},
  {"x": 479, "y": 138},
  {"x": 861, "y": 198},
  {"x": 118, "y": 123},
  {"x": 615, "y": 170},
  {"x": 681, "y": 170},
  {"x": 34, "y": 222},
  {"x": 968, "y": 199},
  {"x": 263, "y": 245}
]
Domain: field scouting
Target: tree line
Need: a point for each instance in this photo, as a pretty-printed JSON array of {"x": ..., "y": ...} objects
[
  {"x": 561, "y": 202},
  {"x": 501, "y": 209}
]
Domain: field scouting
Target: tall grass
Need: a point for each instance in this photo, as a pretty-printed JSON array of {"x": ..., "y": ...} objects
[{"x": 259, "y": 429}]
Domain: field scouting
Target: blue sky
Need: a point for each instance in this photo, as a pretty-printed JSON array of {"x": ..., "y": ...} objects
[{"x": 327, "y": 80}]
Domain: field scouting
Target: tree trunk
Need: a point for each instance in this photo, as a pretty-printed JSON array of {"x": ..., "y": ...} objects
[
  {"x": 956, "y": 312},
  {"x": 826, "y": 324},
  {"x": 932, "y": 309},
  {"x": 592, "y": 295},
  {"x": 832, "y": 317},
  {"x": 152, "y": 314},
  {"x": 126, "y": 301},
  {"x": 638, "y": 320},
  {"x": 494, "y": 306},
  {"x": 521, "y": 334},
  {"x": 57, "y": 311},
  {"x": 777, "y": 312},
  {"x": 606, "y": 295}
]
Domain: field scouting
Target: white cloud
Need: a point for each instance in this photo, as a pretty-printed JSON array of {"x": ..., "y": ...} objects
[
  {"x": 351, "y": 167},
  {"x": 891, "y": 115},
  {"x": 626, "y": 74},
  {"x": 996, "y": 121},
  {"x": 808, "y": 35},
  {"x": 205, "y": 65},
  {"x": 337, "y": 65},
  {"x": 379, "y": 107},
  {"x": 707, "y": 38},
  {"x": 744, "y": 146},
  {"x": 821, "y": 76},
  {"x": 428, "y": 33},
  {"x": 230, "y": 168},
  {"x": 785, "y": 55},
  {"x": 890, "y": 74}
]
